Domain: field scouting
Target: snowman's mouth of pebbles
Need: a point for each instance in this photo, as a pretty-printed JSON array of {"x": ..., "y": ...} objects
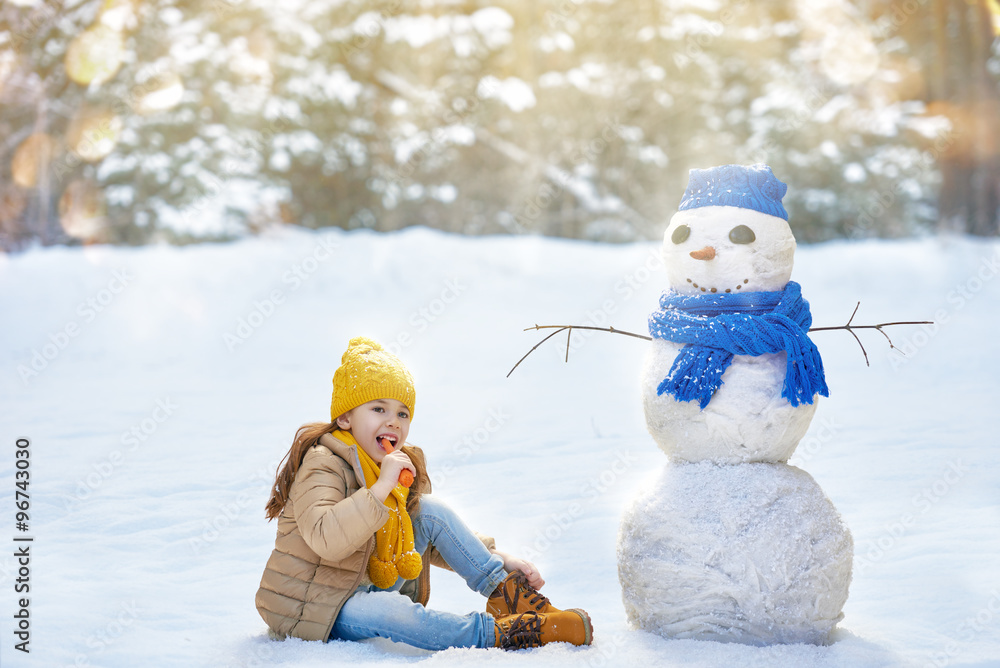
[{"x": 709, "y": 289}]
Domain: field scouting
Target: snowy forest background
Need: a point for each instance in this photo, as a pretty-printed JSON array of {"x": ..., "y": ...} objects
[{"x": 125, "y": 121}]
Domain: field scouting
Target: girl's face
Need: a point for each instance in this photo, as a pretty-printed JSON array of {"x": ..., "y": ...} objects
[{"x": 381, "y": 417}]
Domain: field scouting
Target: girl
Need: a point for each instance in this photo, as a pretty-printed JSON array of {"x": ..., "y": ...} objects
[{"x": 354, "y": 545}]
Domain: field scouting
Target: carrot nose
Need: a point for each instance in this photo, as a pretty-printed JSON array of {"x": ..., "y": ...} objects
[{"x": 706, "y": 253}]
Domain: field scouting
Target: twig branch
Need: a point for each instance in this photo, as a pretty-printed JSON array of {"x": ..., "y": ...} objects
[
  {"x": 612, "y": 330},
  {"x": 847, "y": 327},
  {"x": 850, "y": 329},
  {"x": 569, "y": 333},
  {"x": 536, "y": 346}
]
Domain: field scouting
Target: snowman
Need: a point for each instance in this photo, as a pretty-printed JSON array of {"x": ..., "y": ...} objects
[{"x": 730, "y": 543}]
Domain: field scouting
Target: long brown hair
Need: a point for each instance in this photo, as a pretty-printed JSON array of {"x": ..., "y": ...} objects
[{"x": 306, "y": 437}]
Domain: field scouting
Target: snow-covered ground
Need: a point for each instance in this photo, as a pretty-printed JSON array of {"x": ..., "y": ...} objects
[{"x": 160, "y": 386}]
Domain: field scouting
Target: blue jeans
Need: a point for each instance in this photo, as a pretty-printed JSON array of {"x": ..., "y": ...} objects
[{"x": 371, "y": 612}]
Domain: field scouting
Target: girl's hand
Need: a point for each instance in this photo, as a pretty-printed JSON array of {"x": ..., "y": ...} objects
[
  {"x": 512, "y": 563},
  {"x": 388, "y": 475}
]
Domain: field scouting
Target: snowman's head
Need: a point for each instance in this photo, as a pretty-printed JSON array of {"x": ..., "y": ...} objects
[{"x": 731, "y": 233}]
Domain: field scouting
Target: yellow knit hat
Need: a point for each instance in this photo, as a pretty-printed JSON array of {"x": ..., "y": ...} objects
[{"x": 368, "y": 372}]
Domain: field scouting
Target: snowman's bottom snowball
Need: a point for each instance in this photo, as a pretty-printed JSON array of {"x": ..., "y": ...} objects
[{"x": 750, "y": 553}]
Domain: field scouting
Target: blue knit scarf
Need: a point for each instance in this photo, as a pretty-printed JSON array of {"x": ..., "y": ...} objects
[{"x": 717, "y": 326}]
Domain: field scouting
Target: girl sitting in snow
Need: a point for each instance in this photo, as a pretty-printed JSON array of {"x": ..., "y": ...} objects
[{"x": 354, "y": 544}]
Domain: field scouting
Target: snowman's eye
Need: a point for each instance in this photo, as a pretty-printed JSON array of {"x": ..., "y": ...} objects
[
  {"x": 741, "y": 234},
  {"x": 681, "y": 234}
]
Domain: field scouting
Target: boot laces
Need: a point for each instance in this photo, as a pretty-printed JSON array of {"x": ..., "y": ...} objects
[
  {"x": 534, "y": 597},
  {"x": 524, "y": 631}
]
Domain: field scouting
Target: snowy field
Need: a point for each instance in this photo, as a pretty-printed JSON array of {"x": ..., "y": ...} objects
[{"x": 160, "y": 386}]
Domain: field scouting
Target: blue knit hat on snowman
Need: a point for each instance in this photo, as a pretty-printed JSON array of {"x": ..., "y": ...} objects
[{"x": 754, "y": 187}]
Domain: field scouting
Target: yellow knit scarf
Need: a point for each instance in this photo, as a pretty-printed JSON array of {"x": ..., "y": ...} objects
[{"x": 394, "y": 554}]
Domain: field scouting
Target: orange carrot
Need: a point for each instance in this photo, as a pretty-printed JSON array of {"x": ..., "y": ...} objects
[{"x": 405, "y": 476}]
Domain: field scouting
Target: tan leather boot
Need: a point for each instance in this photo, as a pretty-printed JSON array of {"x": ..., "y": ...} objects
[
  {"x": 514, "y": 596},
  {"x": 531, "y": 629}
]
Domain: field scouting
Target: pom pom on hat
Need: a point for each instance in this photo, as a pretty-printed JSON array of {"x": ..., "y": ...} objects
[{"x": 368, "y": 372}]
